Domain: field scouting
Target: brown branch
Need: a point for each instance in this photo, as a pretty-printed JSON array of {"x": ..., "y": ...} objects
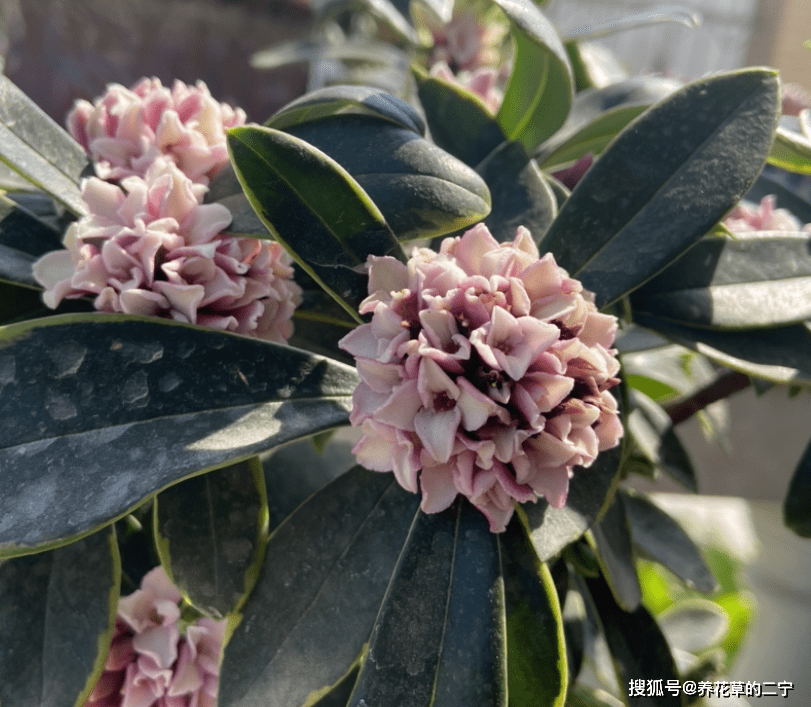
[{"x": 722, "y": 387}]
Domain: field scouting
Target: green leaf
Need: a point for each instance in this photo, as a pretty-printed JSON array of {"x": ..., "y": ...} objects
[
  {"x": 594, "y": 65},
  {"x": 313, "y": 208},
  {"x": 175, "y": 400},
  {"x": 34, "y": 146},
  {"x": 422, "y": 191},
  {"x": 18, "y": 302},
  {"x": 762, "y": 280},
  {"x": 782, "y": 355},
  {"x": 791, "y": 151},
  {"x": 694, "y": 625},
  {"x": 320, "y": 323},
  {"x": 440, "y": 637},
  {"x": 590, "y": 490},
  {"x": 356, "y": 100},
  {"x": 797, "y": 505},
  {"x": 611, "y": 540},
  {"x": 599, "y": 114},
  {"x": 679, "y": 15},
  {"x": 539, "y": 92},
  {"x": 459, "y": 122},
  {"x": 57, "y": 613},
  {"x": 325, "y": 574},
  {"x": 211, "y": 531},
  {"x": 520, "y": 193},
  {"x": 638, "y": 648},
  {"x": 631, "y": 215},
  {"x": 662, "y": 539},
  {"x": 536, "y": 657},
  {"x": 394, "y": 13},
  {"x": 653, "y": 432}
]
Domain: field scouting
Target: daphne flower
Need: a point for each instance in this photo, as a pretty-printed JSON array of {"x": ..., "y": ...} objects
[
  {"x": 150, "y": 663},
  {"x": 485, "y": 371},
  {"x": 150, "y": 248},
  {"x": 763, "y": 217},
  {"x": 125, "y": 130}
]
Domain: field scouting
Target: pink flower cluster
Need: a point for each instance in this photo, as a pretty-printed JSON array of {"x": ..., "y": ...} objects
[
  {"x": 150, "y": 663},
  {"x": 485, "y": 372},
  {"x": 148, "y": 244},
  {"x": 763, "y": 217},
  {"x": 125, "y": 130}
]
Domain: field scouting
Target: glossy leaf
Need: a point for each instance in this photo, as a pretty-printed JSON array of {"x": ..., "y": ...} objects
[
  {"x": 611, "y": 540},
  {"x": 791, "y": 151},
  {"x": 599, "y": 114},
  {"x": 340, "y": 100},
  {"x": 782, "y": 355},
  {"x": 797, "y": 505},
  {"x": 630, "y": 216},
  {"x": 421, "y": 190},
  {"x": 536, "y": 657},
  {"x": 662, "y": 539},
  {"x": 325, "y": 574},
  {"x": 539, "y": 93},
  {"x": 594, "y": 65},
  {"x": 39, "y": 150},
  {"x": 313, "y": 207},
  {"x": 694, "y": 625},
  {"x": 15, "y": 267},
  {"x": 520, "y": 194},
  {"x": 440, "y": 637},
  {"x": 176, "y": 400},
  {"x": 57, "y": 613},
  {"x": 760, "y": 280},
  {"x": 668, "y": 14},
  {"x": 211, "y": 531},
  {"x": 320, "y": 323},
  {"x": 447, "y": 107},
  {"x": 653, "y": 432},
  {"x": 590, "y": 490},
  {"x": 638, "y": 648}
]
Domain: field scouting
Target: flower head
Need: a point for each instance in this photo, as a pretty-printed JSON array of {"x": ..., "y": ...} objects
[
  {"x": 485, "y": 372},
  {"x": 150, "y": 663},
  {"x": 149, "y": 247},
  {"x": 763, "y": 217},
  {"x": 125, "y": 130}
]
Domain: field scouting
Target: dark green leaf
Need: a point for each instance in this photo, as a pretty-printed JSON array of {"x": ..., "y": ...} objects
[
  {"x": 313, "y": 207},
  {"x": 439, "y": 639},
  {"x": 325, "y": 573},
  {"x": 57, "y": 612},
  {"x": 612, "y": 544},
  {"x": 421, "y": 190},
  {"x": 590, "y": 490},
  {"x": 359, "y": 100},
  {"x": 22, "y": 230},
  {"x": 19, "y": 303},
  {"x": 631, "y": 215},
  {"x": 791, "y": 151},
  {"x": 339, "y": 695},
  {"x": 536, "y": 657},
  {"x": 594, "y": 65},
  {"x": 211, "y": 531},
  {"x": 15, "y": 267},
  {"x": 782, "y": 355},
  {"x": 761, "y": 280},
  {"x": 38, "y": 149},
  {"x": 797, "y": 505},
  {"x": 519, "y": 192},
  {"x": 662, "y": 539},
  {"x": 175, "y": 400},
  {"x": 320, "y": 323},
  {"x": 598, "y": 114},
  {"x": 638, "y": 648},
  {"x": 652, "y": 430},
  {"x": 539, "y": 93},
  {"x": 297, "y": 470},
  {"x": 393, "y": 13},
  {"x": 459, "y": 122}
]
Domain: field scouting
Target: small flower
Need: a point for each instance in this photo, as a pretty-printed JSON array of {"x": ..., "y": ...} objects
[
  {"x": 485, "y": 371},
  {"x": 150, "y": 663},
  {"x": 763, "y": 217},
  {"x": 125, "y": 130},
  {"x": 484, "y": 82},
  {"x": 149, "y": 247}
]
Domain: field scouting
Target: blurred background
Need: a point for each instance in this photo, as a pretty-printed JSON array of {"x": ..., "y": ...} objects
[{"x": 60, "y": 50}]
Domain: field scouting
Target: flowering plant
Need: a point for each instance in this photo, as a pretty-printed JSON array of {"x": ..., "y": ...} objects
[{"x": 167, "y": 529}]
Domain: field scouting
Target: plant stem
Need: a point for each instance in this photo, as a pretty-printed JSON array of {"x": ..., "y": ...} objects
[{"x": 722, "y": 387}]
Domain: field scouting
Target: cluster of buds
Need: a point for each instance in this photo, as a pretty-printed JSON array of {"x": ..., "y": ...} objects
[
  {"x": 485, "y": 372},
  {"x": 148, "y": 244}
]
